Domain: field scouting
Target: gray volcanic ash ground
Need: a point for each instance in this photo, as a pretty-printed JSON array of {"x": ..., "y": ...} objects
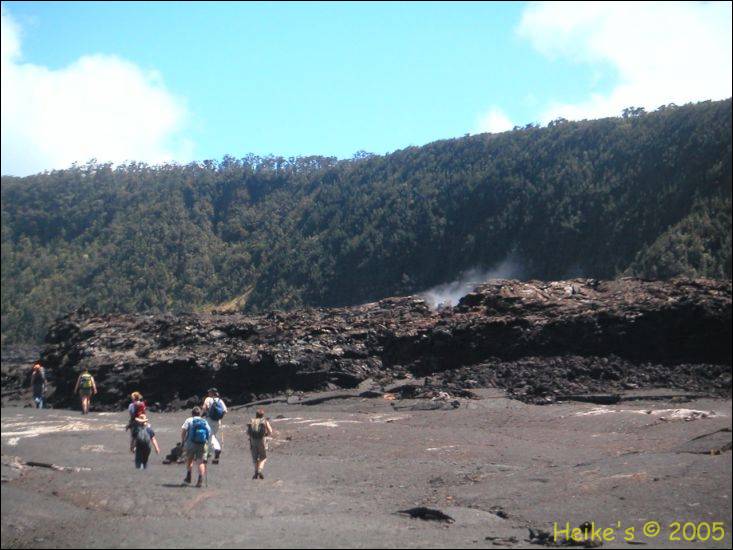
[{"x": 340, "y": 471}]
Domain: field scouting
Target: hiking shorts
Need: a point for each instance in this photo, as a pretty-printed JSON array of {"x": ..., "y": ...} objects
[
  {"x": 195, "y": 451},
  {"x": 85, "y": 392},
  {"x": 258, "y": 448}
]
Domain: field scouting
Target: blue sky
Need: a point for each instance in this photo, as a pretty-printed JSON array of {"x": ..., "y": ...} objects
[{"x": 192, "y": 81}]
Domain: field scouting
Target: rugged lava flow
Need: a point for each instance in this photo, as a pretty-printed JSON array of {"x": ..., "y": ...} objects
[{"x": 536, "y": 339}]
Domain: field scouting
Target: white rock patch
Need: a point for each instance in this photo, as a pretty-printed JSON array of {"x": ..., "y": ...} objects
[
  {"x": 21, "y": 430},
  {"x": 662, "y": 414}
]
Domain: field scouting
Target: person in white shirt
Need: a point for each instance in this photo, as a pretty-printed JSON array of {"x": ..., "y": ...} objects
[
  {"x": 214, "y": 410},
  {"x": 195, "y": 440}
]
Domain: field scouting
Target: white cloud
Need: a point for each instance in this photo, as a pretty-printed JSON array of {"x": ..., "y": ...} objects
[
  {"x": 662, "y": 52},
  {"x": 100, "y": 106},
  {"x": 493, "y": 121}
]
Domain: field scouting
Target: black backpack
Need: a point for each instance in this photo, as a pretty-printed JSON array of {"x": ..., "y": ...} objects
[{"x": 141, "y": 436}]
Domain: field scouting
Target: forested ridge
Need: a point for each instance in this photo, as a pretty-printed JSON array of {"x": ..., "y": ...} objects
[{"x": 645, "y": 194}]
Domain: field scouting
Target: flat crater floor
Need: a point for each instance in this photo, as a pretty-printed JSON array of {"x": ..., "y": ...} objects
[{"x": 340, "y": 471}]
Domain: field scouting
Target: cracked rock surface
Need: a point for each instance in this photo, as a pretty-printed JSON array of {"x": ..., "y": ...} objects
[{"x": 538, "y": 341}]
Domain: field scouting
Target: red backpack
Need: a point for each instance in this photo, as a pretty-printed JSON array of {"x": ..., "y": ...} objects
[{"x": 139, "y": 408}]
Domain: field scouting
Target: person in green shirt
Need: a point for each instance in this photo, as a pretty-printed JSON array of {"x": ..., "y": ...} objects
[{"x": 86, "y": 388}]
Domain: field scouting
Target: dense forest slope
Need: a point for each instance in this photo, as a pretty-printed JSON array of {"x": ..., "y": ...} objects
[{"x": 646, "y": 194}]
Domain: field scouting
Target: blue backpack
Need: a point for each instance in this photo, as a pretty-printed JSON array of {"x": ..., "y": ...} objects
[
  {"x": 216, "y": 411},
  {"x": 199, "y": 431}
]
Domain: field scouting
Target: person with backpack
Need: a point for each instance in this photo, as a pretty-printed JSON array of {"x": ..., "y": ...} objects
[
  {"x": 136, "y": 409},
  {"x": 86, "y": 388},
  {"x": 258, "y": 430},
  {"x": 195, "y": 438},
  {"x": 214, "y": 410},
  {"x": 143, "y": 438},
  {"x": 38, "y": 383},
  {"x": 137, "y": 406}
]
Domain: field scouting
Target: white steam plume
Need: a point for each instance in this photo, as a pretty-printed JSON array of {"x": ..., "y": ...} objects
[{"x": 449, "y": 294}]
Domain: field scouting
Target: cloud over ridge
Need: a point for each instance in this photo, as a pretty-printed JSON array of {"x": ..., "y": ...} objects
[
  {"x": 99, "y": 107},
  {"x": 663, "y": 52},
  {"x": 493, "y": 121}
]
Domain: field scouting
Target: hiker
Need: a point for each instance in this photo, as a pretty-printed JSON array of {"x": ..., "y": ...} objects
[
  {"x": 86, "y": 387},
  {"x": 195, "y": 438},
  {"x": 143, "y": 437},
  {"x": 259, "y": 430},
  {"x": 214, "y": 410},
  {"x": 137, "y": 406},
  {"x": 136, "y": 409},
  {"x": 38, "y": 383}
]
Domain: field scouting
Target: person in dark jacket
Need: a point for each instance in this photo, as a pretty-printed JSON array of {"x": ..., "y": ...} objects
[
  {"x": 143, "y": 440},
  {"x": 38, "y": 383}
]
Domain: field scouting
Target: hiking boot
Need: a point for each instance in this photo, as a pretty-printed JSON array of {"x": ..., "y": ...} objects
[
  {"x": 200, "y": 482},
  {"x": 188, "y": 478},
  {"x": 217, "y": 454},
  {"x": 255, "y": 476},
  {"x": 261, "y": 476}
]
